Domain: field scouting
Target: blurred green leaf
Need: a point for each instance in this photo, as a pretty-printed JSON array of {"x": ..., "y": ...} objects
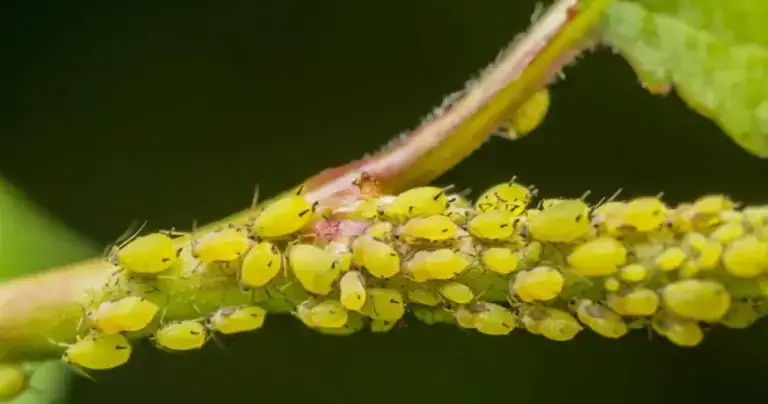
[
  {"x": 714, "y": 52},
  {"x": 31, "y": 241}
]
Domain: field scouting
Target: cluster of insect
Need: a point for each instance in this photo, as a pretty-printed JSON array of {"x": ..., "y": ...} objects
[{"x": 555, "y": 268}]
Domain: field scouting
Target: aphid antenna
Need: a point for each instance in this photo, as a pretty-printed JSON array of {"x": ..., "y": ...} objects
[
  {"x": 585, "y": 194},
  {"x": 125, "y": 238},
  {"x": 255, "y": 200},
  {"x": 81, "y": 372}
]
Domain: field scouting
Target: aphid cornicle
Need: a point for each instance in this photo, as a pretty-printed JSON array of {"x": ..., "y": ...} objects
[
  {"x": 511, "y": 196},
  {"x": 416, "y": 202},
  {"x": 261, "y": 264},
  {"x": 315, "y": 268},
  {"x": 128, "y": 314},
  {"x": 284, "y": 217},
  {"x": 181, "y": 335},
  {"x": 146, "y": 255},
  {"x": 564, "y": 222},
  {"x": 13, "y": 380},
  {"x": 98, "y": 351},
  {"x": 222, "y": 245},
  {"x": 231, "y": 320}
]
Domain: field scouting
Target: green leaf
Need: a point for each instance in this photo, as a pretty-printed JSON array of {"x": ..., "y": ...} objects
[
  {"x": 714, "y": 52},
  {"x": 31, "y": 241}
]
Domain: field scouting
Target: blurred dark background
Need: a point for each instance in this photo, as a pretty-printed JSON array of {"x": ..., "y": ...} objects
[{"x": 111, "y": 112}]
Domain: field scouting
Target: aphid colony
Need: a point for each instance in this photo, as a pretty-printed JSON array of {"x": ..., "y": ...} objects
[{"x": 554, "y": 268}]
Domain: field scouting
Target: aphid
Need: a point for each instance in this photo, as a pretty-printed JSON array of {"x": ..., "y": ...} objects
[
  {"x": 727, "y": 232},
  {"x": 384, "y": 304},
  {"x": 681, "y": 332},
  {"x": 511, "y": 196},
  {"x": 607, "y": 218},
  {"x": 382, "y": 325},
  {"x": 742, "y": 314},
  {"x": 341, "y": 252},
  {"x": 285, "y": 216},
  {"x": 147, "y": 255},
  {"x": 530, "y": 254},
  {"x": 565, "y": 222},
  {"x": 377, "y": 257},
  {"x": 501, "y": 260},
  {"x": 456, "y": 292},
  {"x": 541, "y": 283},
  {"x": 464, "y": 317},
  {"x": 611, "y": 284},
  {"x": 633, "y": 273},
  {"x": 261, "y": 264},
  {"x": 600, "y": 319},
  {"x": 381, "y": 231},
  {"x": 459, "y": 209},
  {"x": 644, "y": 214},
  {"x": 551, "y": 323},
  {"x": 98, "y": 351},
  {"x": 315, "y": 268},
  {"x": 222, "y": 245},
  {"x": 181, "y": 335},
  {"x": 444, "y": 264},
  {"x": 639, "y": 302},
  {"x": 599, "y": 257},
  {"x": 429, "y": 230},
  {"x": 366, "y": 208},
  {"x": 494, "y": 225},
  {"x": 231, "y": 320},
  {"x": 423, "y": 295},
  {"x": 746, "y": 257},
  {"x": 303, "y": 312},
  {"x": 670, "y": 259},
  {"x": 697, "y": 299},
  {"x": 416, "y": 202},
  {"x": 329, "y": 314},
  {"x": 706, "y": 210},
  {"x": 355, "y": 323},
  {"x": 128, "y": 314},
  {"x": 493, "y": 319},
  {"x": 528, "y": 117},
  {"x": 13, "y": 380},
  {"x": 709, "y": 255},
  {"x": 352, "y": 290}
]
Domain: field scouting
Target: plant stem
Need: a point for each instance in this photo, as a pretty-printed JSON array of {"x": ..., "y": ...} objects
[{"x": 33, "y": 309}]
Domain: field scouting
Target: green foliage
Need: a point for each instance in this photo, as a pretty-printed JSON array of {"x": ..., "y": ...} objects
[{"x": 715, "y": 53}]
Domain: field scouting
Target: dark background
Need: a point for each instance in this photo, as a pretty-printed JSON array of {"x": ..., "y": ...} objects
[{"x": 173, "y": 112}]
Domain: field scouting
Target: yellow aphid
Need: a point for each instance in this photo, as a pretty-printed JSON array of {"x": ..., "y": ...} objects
[
  {"x": 98, "y": 352},
  {"x": 600, "y": 319},
  {"x": 355, "y": 323},
  {"x": 681, "y": 332},
  {"x": 376, "y": 257},
  {"x": 553, "y": 324},
  {"x": 382, "y": 325},
  {"x": 742, "y": 314},
  {"x": 231, "y": 320},
  {"x": 727, "y": 232},
  {"x": 381, "y": 231},
  {"x": 565, "y": 222},
  {"x": 442, "y": 264},
  {"x": 416, "y": 202},
  {"x": 459, "y": 209},
  {"x": 456, "y": 292},
  {"x": 705, "y": 211},
  {"x": 501, "y": 260},
  {"x": 132, "y": 313},
  {"x": 13, "y": 380},
  {"x": 329, "y": 314},
  {"x": 746, "y": 257},
  {"x": 417, "y": 267},
  {"x": 709, "y": 255},
  {"x": 303, "y": 312},
  {"x": 384, "y": 304},
  {"x": 429, "y": 230},
  {"x": 423, "y": 295},
  {"x": 599, "y": 257},
  {"x": 539, "y": 284},
  {"x": 633, "y": 273},
  {"x": 695, "y": 241},
  {"x": 261, "y": 264},
  {"x": 678, "y": 220},
  {"x": 315, "y": 268},
  {"x": 285, "y": 216},
  {"x": 493, "y": 319},
  {"x": 511, "y": 196},
  {"x": 611, "y": 284},
  {"x": 529, "y": 116},
  {"x": 343, "y": 255},
  {"x": 644, "y": 214},
  {"x": 352, "y": 290},
  {"x": 697, "y": 299},
  {"x": 223, "y": 245},
  {"x": 608, "y": 217},
  {"x": 147, "y": 255},
  {"x": 494, "y": 225},
  {"x": 361, "y": 209},
  {"x": 464, "y": 317},
  {"x": 670, "y": 259},
  {"x": 640, "y": 302},
  {"x": 530, "y": 254},
  {"x": 181, "y": 335}
]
